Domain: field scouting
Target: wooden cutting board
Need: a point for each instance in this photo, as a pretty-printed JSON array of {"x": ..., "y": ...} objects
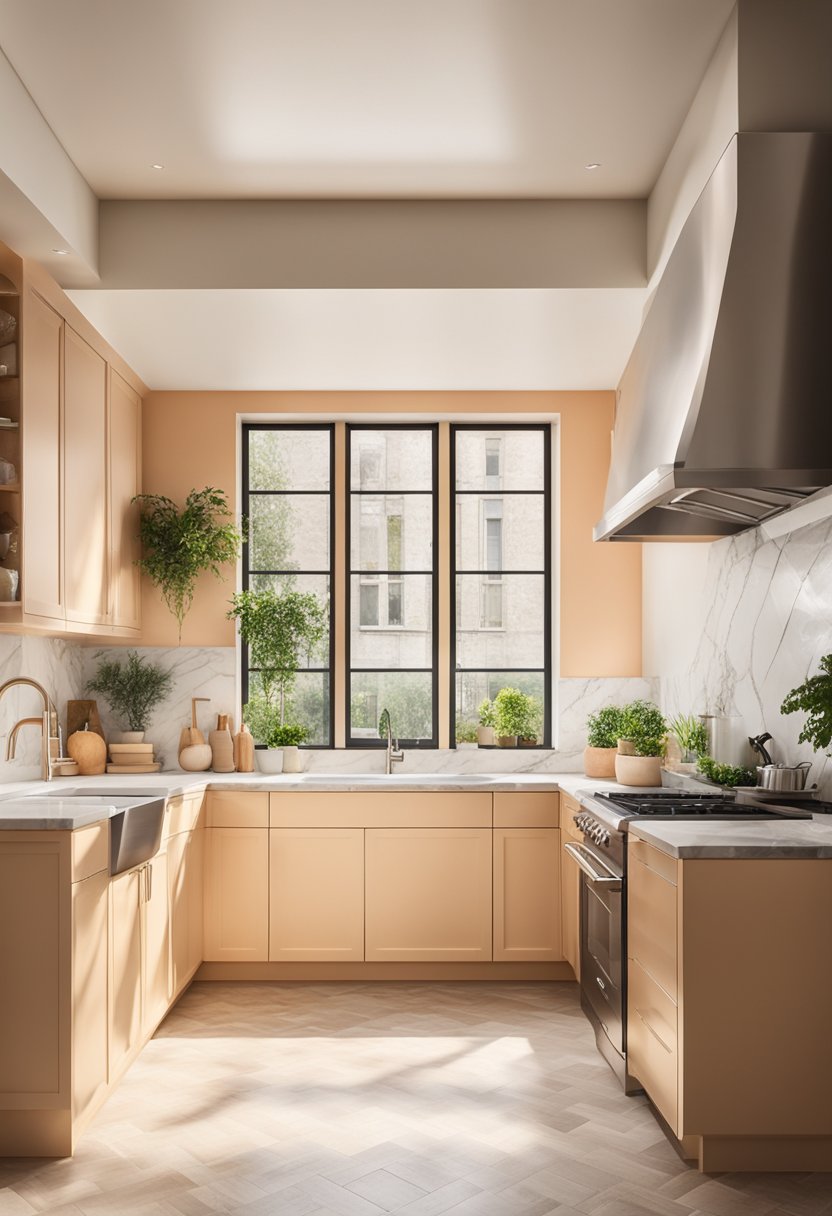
[
  {"x": 133, "y": 768},
  {"x": 79, "y": 713}
]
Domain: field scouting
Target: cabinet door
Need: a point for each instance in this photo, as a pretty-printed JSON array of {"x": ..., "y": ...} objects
[
  {"x": 89, "y": 990},
  {"x": 570, "y": 886},
  {"x": 195, "y": 884},
  {"x": 86, "y": 526},
  {"x": 428, "y": 894},
  {"x": 156, "y": 943},
  {"x": 43, "y": 578},
  {"x": 125, "y": 483},
  {"x": 125, "y": 995},
  {"x": 527, "y": 895},
  {"x": 237, "y": 895},
  {"x": 179, "y": 878},
  {"x": 316, "y": 884}
]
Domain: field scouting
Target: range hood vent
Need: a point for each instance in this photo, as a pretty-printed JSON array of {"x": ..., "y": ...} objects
[{"x": 724, "y": 412}]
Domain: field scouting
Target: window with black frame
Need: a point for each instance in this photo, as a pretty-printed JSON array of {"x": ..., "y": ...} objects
[
  {"x": 501, "y": 632},
  {"x": 391, "y": 597},
  {"x": 288, "y": 503}
]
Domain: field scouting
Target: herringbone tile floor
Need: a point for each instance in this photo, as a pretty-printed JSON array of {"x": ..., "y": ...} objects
[{"x": 361, "y": 1099}]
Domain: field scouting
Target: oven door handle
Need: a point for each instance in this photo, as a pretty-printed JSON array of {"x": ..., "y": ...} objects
[{"x": 581, "y": 855}]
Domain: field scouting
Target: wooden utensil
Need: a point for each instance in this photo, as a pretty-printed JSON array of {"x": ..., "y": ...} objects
[
  {"x": 197, "y": 736},
  {"x": 83, "y": 715}
]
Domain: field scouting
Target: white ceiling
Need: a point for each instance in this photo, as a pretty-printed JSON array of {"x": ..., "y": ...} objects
[{"x": 363, "y": 98}]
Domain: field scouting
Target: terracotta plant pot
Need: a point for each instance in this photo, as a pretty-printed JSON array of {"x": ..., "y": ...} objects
[
  {"x": 485, "y": 736},
  {"x": 506, "y": 740},
  {"x": 638, "y": 770},
  {"x": 600, "y": 762}
]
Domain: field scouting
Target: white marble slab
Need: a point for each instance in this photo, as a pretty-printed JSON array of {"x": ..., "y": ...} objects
[{"x": 784, "y": 840}]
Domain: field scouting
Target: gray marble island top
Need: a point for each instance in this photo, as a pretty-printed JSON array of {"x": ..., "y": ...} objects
[{"x": 786, "y": 839}]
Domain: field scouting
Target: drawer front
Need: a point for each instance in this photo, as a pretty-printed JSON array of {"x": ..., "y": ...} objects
[
  {"x": 90, "y": 850},
  {"x": 228, "y": 809},
  {"x": 389, "y": 809},
  {"x": 182, "y": 813},
  {"x": 651, "y": 925},
  {"x": 569, "y": 811},
  {"x": 652, "y": 1047},
  {"x": 539, "y": 810},
  {"x": 654, "y": 859}
]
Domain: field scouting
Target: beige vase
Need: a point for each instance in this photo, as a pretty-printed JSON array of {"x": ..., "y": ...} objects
[
  {"x": 638, "y": 770},
  {"x": 485, "y": 736},
  {"x": 600, "y": 762}
]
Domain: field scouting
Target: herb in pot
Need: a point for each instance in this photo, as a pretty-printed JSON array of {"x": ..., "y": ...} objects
[
  {"x": 131, "y": 689},
  {"x": 643, "y": 725},
  {"x": 604, "y": 728},
  {"x": 725, "y": 774}
]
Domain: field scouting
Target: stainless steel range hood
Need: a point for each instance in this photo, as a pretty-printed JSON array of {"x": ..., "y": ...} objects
[{"x": 724, "y": 414}]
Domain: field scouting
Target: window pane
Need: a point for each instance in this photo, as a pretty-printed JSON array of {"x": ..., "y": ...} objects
[
  {"x": 500, "y": 533},
  {"x": 391, "y": 621},
  {"x": 517, "y": 602},
  {"x": 308, "y": 704},
  {"x": 289, "y": 532},
  {"x": 473, "y": 687},
  {"x": 305, "y": 584},
  {"x": 391, "y": 532},
  {"x": 288, "y": 460},
  {"x": 391, "y": 460},
  {"x": 506, "y": 460},
  {"x": 407, "y": 695}
]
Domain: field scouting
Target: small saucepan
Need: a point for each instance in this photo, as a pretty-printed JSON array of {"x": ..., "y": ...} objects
[{"x": 783, "y": 776}]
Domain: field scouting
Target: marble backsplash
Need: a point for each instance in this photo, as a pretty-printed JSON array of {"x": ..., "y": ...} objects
[
  {"x": 56, "y": 665},
  {"x": 762, "y": 623}
]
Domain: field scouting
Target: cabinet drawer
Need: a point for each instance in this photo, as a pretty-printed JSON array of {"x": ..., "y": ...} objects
[
  {"x": 539, "y": 810},
  {"x": 228, "y": 809},
  {"x": 182, "y": 813},
  {"x": 392, "y": 809},
  {"x": 651, "y": 923},
  {"x": 90, "y": 850},
  {"x": 652, "y": 1049},
  {"x": 654, "y": 859}
]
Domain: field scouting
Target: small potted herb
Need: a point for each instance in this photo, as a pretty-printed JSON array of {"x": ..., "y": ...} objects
[
  {"x": 512, "y": 708},
  {"x": 603, "y": 730},
  {"x": 814, "y": 698},
  {"x": 281, "y": 740},
  {"x": 132, "y": 690},
  {"x": 487, "y": 715},
  {"x": 466, "y": 733},
  {"x": 532, "y": 730},
  {"x": 691, "y": 734},
  {"x": 642, "y": 745}
]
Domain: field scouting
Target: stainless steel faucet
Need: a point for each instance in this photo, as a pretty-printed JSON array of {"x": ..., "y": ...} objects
[
  {"x": 48, "y": 724},
  {"x": 395, "y": 755}
]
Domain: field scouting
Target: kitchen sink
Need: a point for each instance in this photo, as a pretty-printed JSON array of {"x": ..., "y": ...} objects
[
  {"x": 336, "y": 779},
  {"x": 135, "y": 828}
]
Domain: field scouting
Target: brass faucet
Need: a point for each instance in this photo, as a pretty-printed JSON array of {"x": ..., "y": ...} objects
[
  {"x": 48, "y": 724},
  {"x": 395, "y": 755}
]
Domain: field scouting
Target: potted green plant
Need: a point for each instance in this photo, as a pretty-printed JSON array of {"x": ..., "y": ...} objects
[
  {"x": 466, "y": 733},
  {"x": 281, "y": 630},
  {"x": 691, "y": 735},
  {"x": 132, "y": 690},
  {"x": 179, "y": 545},
  {"x": 512, "y": 708},
  {"x": 814, "y": 698},
  {"x": 487, "y": 715},
  {"x": 530, "y": 733},
  {"x": 603, "y": 730},
  {"x": 642, "y": 744}
]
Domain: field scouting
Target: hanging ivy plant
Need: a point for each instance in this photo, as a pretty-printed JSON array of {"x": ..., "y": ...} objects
[{"x": 180, "y": 544}]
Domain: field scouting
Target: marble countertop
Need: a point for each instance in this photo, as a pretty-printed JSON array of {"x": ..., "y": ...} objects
[{"x": 787, "y": 839}]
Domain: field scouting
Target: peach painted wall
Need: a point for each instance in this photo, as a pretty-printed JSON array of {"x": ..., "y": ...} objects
[{"x": 190, "y": 440}]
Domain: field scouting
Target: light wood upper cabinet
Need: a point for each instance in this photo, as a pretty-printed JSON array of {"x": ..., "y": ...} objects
[
  {"x": 125, "y": 419},
  {"x": 527, "y": 913},
  {"x": 42, "y": 465},
  {"x": 428, "y": 894},
  {"x": 316, "y": 908},
  {"x": 236, "y": 894},
  {"x": 86, "y": 523}
]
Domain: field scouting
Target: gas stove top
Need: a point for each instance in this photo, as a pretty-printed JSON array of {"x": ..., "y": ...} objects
[{"x": 678, "y": 804}]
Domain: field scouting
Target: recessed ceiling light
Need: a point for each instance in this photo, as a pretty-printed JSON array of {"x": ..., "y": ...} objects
[
  {"x": 594, "y": 164},
  {"x": 62, "y": 252},
  {"x": 157, "y": 166}
]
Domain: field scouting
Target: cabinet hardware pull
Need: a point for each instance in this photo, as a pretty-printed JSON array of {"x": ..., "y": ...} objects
[
  {"x": 149, "y": 881},
  {"x": 578, "y": 853},
  {"x": 654, "y": 1033}
]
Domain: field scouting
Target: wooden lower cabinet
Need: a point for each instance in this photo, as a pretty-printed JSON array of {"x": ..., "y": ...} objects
[
  {"x": 316, "y": 904},
  {"x": 236, "y": 921},
  {"x": 90, "y": 1063},
  {"x": 428, "y": 894},
  {"x": 125, "y": 996},
  {"x": 185, "y": 888},
  {"x": 156, "y": 981},
  {"x": 527, "y": 906}
]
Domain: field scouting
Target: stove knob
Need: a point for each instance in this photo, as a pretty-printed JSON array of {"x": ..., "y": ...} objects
[{"x": 606, "y": 839}]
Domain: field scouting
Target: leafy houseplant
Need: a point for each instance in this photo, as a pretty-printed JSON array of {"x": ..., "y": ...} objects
[
  {"x": 814, "y": 697},
  {"x": 466, "y": 733},
  {"x": 642, "y": 744},
  {"x": 725, "y": 774},
  {"x": 281, "y": 630},
  {"x": 179, "y": 545},
  {"x": 513, "y": 713},
  {"x": 691, "y": 735},
  {"x": 603, "y": 730},
  {"x": 487, "y": 714},
  {"x": 131, "y": 689}
]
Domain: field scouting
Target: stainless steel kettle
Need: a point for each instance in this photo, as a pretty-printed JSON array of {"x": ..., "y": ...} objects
[{"x": 783, "y": 776}]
